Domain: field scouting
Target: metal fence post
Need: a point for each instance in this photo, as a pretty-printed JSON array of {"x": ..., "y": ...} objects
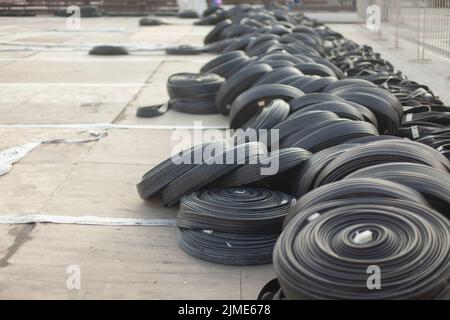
[
  {"x": 421, "y": 34},
  {"x": 382, "y": 5},
  {"x": 398, "y": 13}
]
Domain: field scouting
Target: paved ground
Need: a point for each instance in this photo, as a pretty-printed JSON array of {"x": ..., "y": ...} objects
[
  {"x": 41, "y": 88},
  {"x": 48, "y": 87},
  {"x": 334, "y": 17}
]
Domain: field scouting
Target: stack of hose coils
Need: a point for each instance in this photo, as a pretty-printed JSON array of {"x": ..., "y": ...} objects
[
  {"x": 336, "y": 163},
  {"x": 339, "y": 235},
  {"x": 364, "y": 149},
  {"x": 252, "y": 166},
  {"x": 233, "y": 226}
]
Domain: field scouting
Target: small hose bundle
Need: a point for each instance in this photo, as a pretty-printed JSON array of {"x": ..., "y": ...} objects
[
  {"x": 192, "y": 93},
  {"x": 222, "y": 164},
  {"x": 235, "y": 226}
]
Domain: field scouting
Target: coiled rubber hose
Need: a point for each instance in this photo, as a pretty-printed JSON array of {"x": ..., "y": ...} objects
[
  {"x": 355, "y": 188},
  {"x": 430, "y": 182},
  {"x": 237, "y": 84},
  {"x": 108, "y": 51},
  {"x": 224, "y": 248},
  {"x": 250, "y": 101},
  {"x": 381, "y": 152},
  {"x": 284, "y": 159},
  {"x": 234, "y": 210},
  {"x": 168, "y": 170},
  {"x": 273, "y": 113},
  {"x": 319, "y": 256},
  {"x": 237, "y": 226},
  {"x": 312, "y": 168},
  {"x": 190, "y": 85},
  {"x": 210, "y": 169}
]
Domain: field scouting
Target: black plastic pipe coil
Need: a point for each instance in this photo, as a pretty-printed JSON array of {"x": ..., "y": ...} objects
[
  {"x": 234, "y": 210},
  {"x": 316, "y": 256},
  {"x": 355, "y": 188},
  {"x": 286, "y": 159},
  {"x": 430, "y": 182},
  {"x": 210, "y": 170},
  {"x": 226, "y": 248},
  {"x": 251, "y": 165},
  {"x": 236, "y": 226}
]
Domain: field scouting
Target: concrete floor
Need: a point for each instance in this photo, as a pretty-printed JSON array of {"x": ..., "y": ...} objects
[
  {"x": 67, "y": 88},
  {"x": 43, "y": 88}
]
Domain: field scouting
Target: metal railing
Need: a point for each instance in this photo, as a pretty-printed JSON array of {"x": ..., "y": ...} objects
[
  {"x": 49, "y": 6},
  {"x": 425, "y": 22}
]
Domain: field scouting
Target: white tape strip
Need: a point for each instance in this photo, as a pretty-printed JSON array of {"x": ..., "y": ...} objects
[
  {"x": 82, "y": 47},
  {"x": 108, "y": 126},
  {"x": 415, "y": 132},
  {"x": 83, "y": 30},
  {"x": 12, "y": 155},
  {"x": 73, "y": 84},
  {"x": 123, "y": 59},
  {"x": 408, "y": 117},
  {"x": 83, "y": 220}
]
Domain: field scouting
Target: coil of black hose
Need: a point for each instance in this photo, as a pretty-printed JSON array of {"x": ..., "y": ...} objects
[
  {"x": 168, "y": 170},
  {"x": 313, "y": 166},
  {"x": 381, "y": 152},
  {"x": 224, "y": 248},
  {"x": 248, "y": 102},
  {"x": 313, "y": 98},
  {"x": 223, "y": 159},
  {"x": 302, "y": 132},
  {"x": 342, "y": 109},
  {"x": 234, "y": 210},
  {"x": 387, "y": 117},
  {"x": 274, "y": 112},
  {"x": 430, "y": 182},
  {"x": 333, "y": 134},
  {"x": 193, "y": 85},
  {"x": 354, "y": 188},
  {"x": 214, "y": 34},
  {"x": 305, "y": 179},
  {"x": 227, "y": 69},
  {"x": 286, "y": 159},
  {"x": 228, "y": 56},
  {"x": 237, "y": 84},
  {"x": 316, "y": 256},
  {"x": 297, "y": 122}
]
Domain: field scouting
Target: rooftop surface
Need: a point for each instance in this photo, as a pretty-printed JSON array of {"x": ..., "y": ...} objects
[{"x": 56, "y": 90}]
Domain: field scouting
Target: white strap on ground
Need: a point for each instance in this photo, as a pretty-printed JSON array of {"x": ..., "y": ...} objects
[
  {"x": 83, "y": 220},
  {"x": 132, "y": 47},
  {"x": 108, "y": 126},
  {"x": 12, "y": 155},
  {"x": 100, "y": 30}
]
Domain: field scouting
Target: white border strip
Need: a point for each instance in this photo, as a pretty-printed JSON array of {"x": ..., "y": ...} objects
[
  {"x": 106, "y": 126},
  {"x": 74, "y": 84},
  {"x": 84, "y": 220}
]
